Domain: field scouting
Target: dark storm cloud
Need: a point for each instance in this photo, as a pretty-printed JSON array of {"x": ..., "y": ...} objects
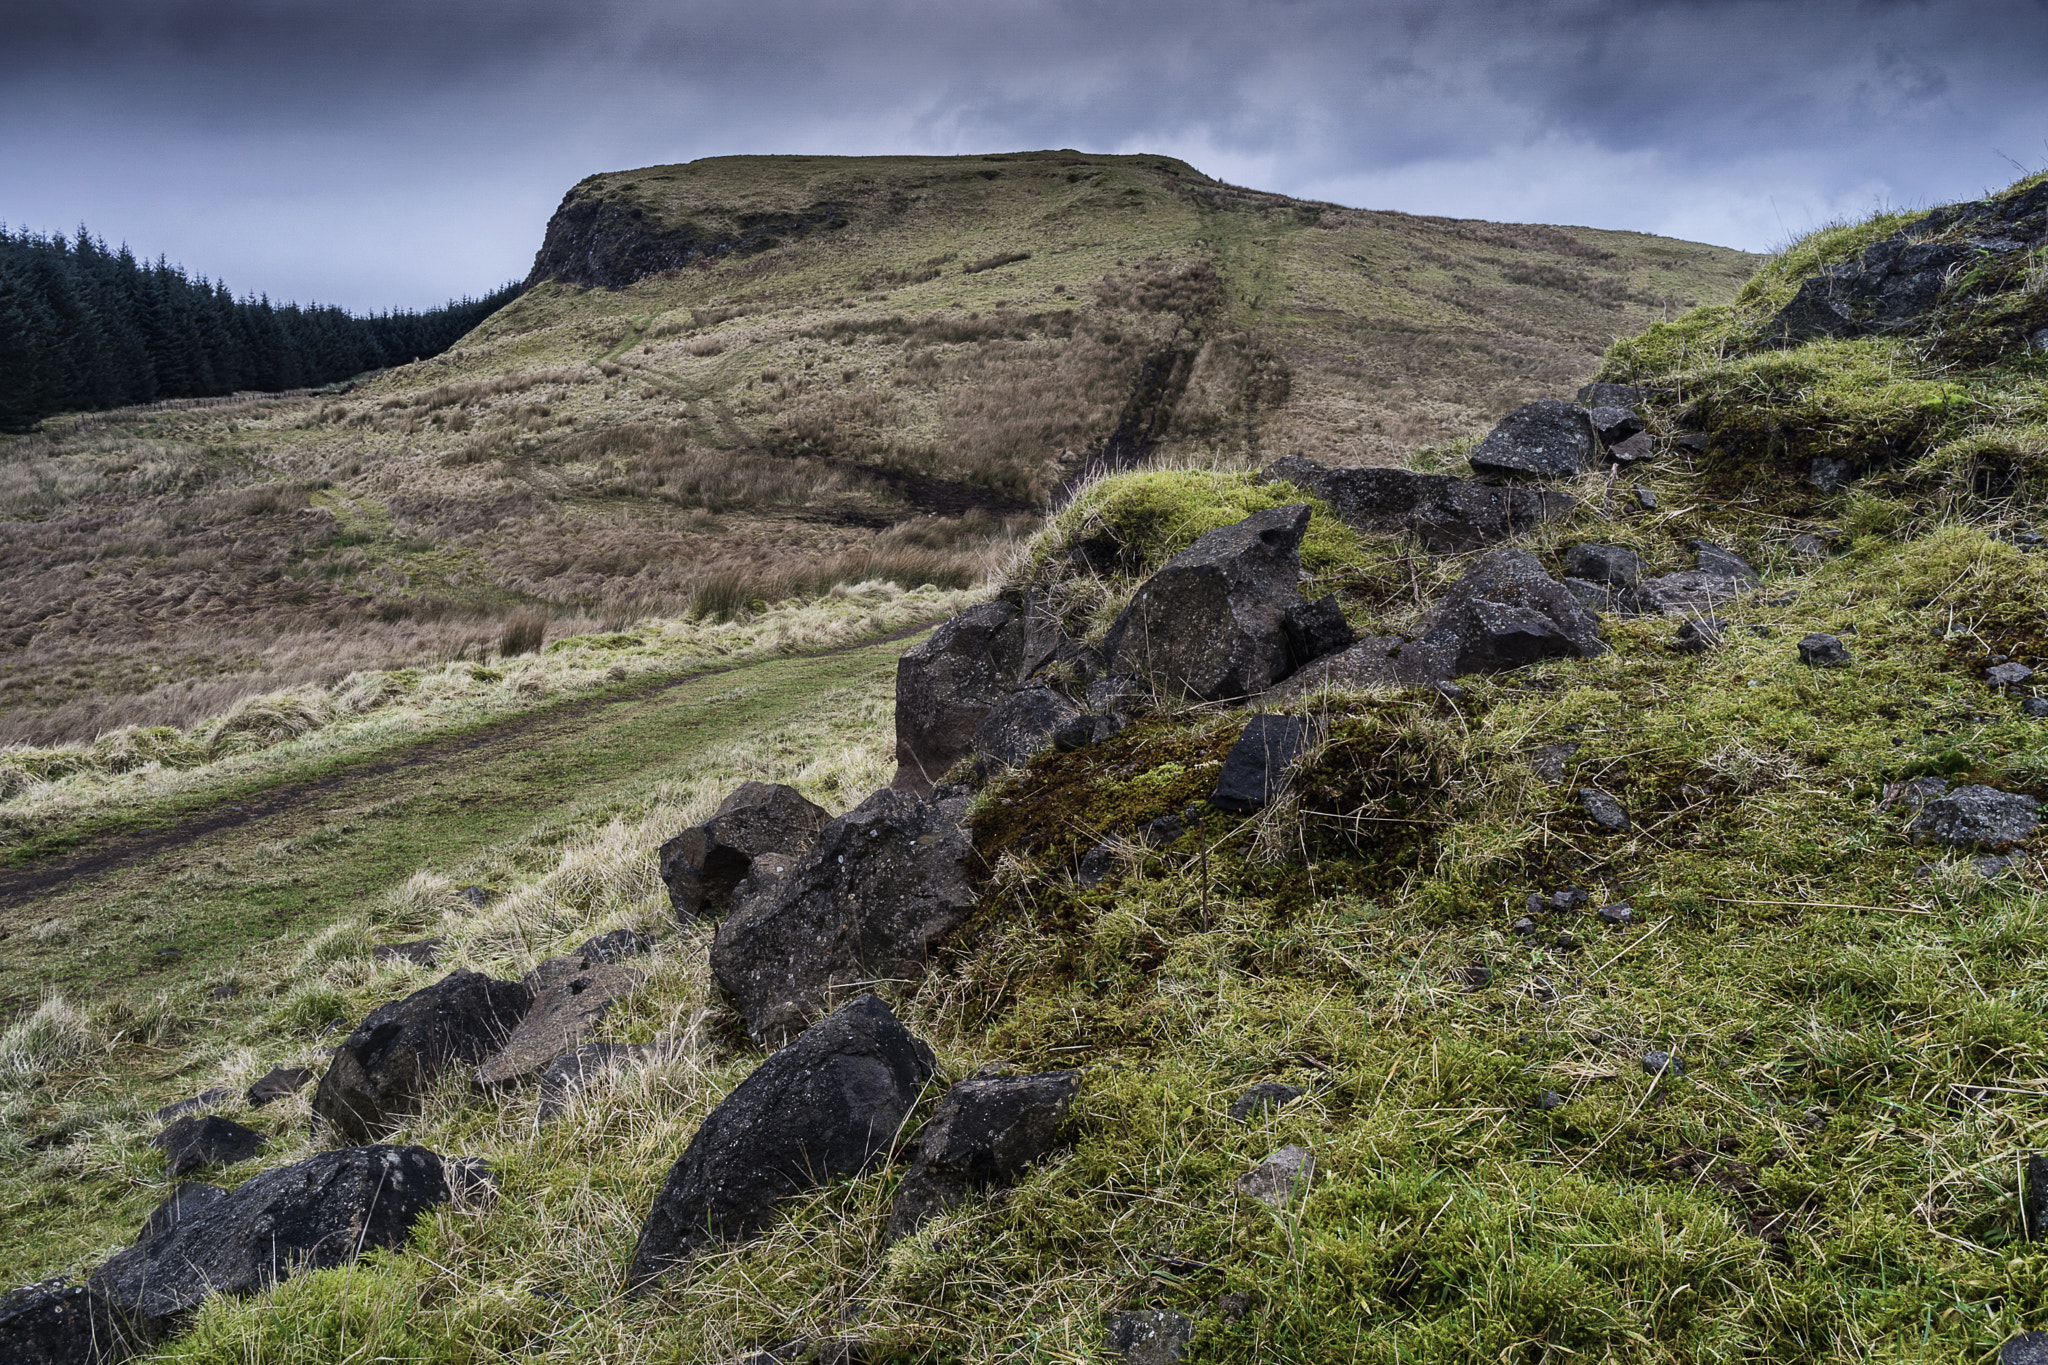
[{"x": 379, "y": 152}]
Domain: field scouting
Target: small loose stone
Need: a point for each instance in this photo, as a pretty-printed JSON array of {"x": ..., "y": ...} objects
[
  {"x": 1823, "y": 651},
  {"x": 1662, "y": 1063},
  {"x": 1616, "y": 916}
]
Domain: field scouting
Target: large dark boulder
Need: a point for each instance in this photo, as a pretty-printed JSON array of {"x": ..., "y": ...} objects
[
  {"x": 1448, "y": 515},
  {"x": 188, "y": 1198},
  {"x": 1021, "y": 724},
  {"x": 55, "y": 1323},
  {"x": 703, "y": 864},
  {"x": 984, "y": 1133},
  {"x": 322, "y": 1212},
  {"x": 1541, "y": 440},
  {"x": 825, "y": 1107},
  {"x": 1212, "y": 624},
  {"x": 384, "y": 1068},
  {"x": 948, "y": 684},
  {"x": 881, "y": 885}
]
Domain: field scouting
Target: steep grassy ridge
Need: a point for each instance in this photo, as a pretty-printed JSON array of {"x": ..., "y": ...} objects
[{"x": 896, "y": 364}]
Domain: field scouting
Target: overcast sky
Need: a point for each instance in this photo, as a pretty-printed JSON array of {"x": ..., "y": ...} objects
[{"x": 396, "y": 152}]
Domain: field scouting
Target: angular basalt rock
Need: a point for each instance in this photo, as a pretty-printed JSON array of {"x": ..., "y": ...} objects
[
  {"x": 188, "y": 1198},
  {"x": 1280, "y": 1178},
  {"x": 946, "y": 686},
  {"x": 1890, "y": 287},
  {"x": 1819, "y": 650},
  {"x": 1615, "y": 423},
  {"x": 570, "y": 996},
  {"x": 1212, "y": 624},
  {"x": 825, "y": 1107},
  {"x": 386, "y": 1066},
  {"x": 206, "y": 1100},
  {"x": 1262, "y": 1097},
  {"x": 572, "y": 1073},
  {"x": 1505, "y": 612},
  {"x": 1449, "y": 515},
  {"x": 703, "y": 864},
  {"x": 984, "y": 1133},
  {"x": 56, "y": 1323},
  {"x": 616, "y": 946},
  {"x": 1317, "y": 629},
  {"x": 881, "y": 885},
  {"x": 1612, "y": 396},
  {"x": 322, "y": 1212},
  {"x": 1977, "y": 817},
  {"x": 280, "y": 1082},
  {"x": 1256, "y": 768},
  {"x": 1021, "y": 724},
  {"x": 193, "y": 1143},
  {"x": 1541, "y": 440},
  {"x": 1608, "y": 564}
]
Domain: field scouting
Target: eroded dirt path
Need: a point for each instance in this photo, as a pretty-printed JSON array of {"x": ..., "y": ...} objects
[{"x": 166, "y": 903}]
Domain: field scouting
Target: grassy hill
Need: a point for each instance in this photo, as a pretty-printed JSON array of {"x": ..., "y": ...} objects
[
  {"x": 892, "y": 367},
  {"x": 1835, "y": 1170}
]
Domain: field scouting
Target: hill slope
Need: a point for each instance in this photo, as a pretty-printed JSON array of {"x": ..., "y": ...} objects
[
  {"x": 894, "y": 365},
  {"x": 1642, "y": 998}
]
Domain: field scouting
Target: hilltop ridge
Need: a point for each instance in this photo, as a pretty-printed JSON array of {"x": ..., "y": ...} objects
[{"x": 896, "y": 398}]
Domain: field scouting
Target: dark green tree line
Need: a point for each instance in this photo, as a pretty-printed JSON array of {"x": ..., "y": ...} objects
[{"x": 83, "y": 328}]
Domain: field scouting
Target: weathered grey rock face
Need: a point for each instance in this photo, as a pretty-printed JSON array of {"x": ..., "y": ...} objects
[
  {"x": 193, "y": 1143},
  {"x": 386, "y": 1066},
  {"x": 1604, "y": 564},
  {"x": 1449, "y": 515},
  {"x": 1256, "y": 768},
  {"x": 1021, "y": 724},
  {"x": 1281, "y": 1179},
  {"x": 703, "y": 864},
  {"x": 1977, "y": 817},
  {"x": 1212, "y": 623},
  {"x": 984, "y": 1133},
  {"x": 1719, "y": 577},
  {"x": 1890, "y": 286},
  {"x": 570, "y": 996},
  {"x": 1541, "y": 440},
  {"x": 55, "y": 1323},
  {"x": 1151, "y": 1336},
  {"x": 881, "y": 885},
  {"x": 1506, "y": 612},
  {"x": 823, "y": 1108},
  {"x": 321, "y": 1212},
  {"x": 948, "y": 684}
]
